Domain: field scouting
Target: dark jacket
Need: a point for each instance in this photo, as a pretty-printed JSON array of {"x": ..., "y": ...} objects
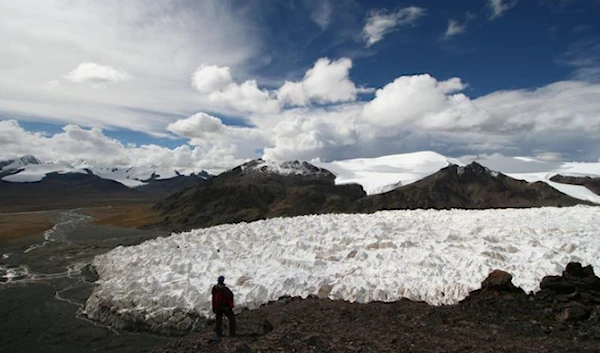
[{"x": 222, "y": 298}]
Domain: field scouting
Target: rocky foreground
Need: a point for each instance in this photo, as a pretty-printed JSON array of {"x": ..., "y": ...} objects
[{"x": 564, "y": 316}]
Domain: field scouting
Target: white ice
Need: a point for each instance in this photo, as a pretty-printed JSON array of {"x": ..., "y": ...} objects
[
  {"x": 382, "y": 174},
  {"x": 435, "y": 256}
]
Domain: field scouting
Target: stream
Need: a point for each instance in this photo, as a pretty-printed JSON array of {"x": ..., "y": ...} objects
[{"x": 45, "y": 281}]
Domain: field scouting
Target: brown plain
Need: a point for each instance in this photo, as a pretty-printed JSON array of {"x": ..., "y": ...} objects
[
  {"x": 23, "y": 224},
  {"x": 16, "y": 225},
  {"x": 131, "y": 216}
]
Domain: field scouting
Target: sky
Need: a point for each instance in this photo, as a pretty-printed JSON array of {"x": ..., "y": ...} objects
[{"x": 211, "y": 84}]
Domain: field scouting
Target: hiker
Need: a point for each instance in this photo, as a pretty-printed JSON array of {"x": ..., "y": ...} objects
[{"x": 222, "y": 302}]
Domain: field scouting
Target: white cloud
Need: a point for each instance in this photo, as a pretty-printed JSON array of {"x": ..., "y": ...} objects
[
  {"x": 499, "y": 7},
  {"x": 209, "y": 78},
  {"x": 197, "y": 125},
  {"x": 584, "y": 56},
  {"x": 421, "y": 113},
  {"x": 149, "y": 50},
  {"x": 321, "y": 13},
  {"x": 454, "y": 28},
  {"x": 561, "y": 107},
  {"x": 304, "y": 133},
  {"x": 416, "y": 112},
  {"x": 243, "y": 98},
  {"x": 379, "y": 23},
  {"x": 422, "y": 101},
  {"x": 220, "y": 93},
  {"x": 96, "y": 74},
  {"x": 75, "y": 143},
  {"x": 326, "y": 82},
  {"x": 210, "y": 134}
]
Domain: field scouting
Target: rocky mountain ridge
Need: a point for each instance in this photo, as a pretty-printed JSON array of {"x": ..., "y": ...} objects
[{"x": 251, "y": 192}]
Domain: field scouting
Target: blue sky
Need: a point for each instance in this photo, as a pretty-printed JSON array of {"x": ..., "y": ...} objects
[
  {"x": 211, "y": 84},
  {"x": 524, "y": 48}
]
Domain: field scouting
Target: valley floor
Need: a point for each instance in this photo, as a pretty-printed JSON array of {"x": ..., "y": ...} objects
[{"x": 27, "y": 223}]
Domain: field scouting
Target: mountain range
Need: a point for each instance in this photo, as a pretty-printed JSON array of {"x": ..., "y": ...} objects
[
  {"x": 28, "y": 184},
  {"x": 262, "y": 189},
  {"x": 258, "y": 190}
]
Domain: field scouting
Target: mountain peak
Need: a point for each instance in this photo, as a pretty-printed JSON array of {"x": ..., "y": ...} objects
[
  {"x": 13, "y": 164},
  {"x": 474, "y": 169},
  {"x": 286, "y": 168}
]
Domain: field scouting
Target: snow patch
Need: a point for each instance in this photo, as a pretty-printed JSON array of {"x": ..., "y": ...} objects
[
  {"x": 36, "y": 172},
  {"x": 435, "y": 256},
  {"x": 285, "y": 168},
  {"x": 382, "y": 174},
  {"x": 30, "y": 169}
]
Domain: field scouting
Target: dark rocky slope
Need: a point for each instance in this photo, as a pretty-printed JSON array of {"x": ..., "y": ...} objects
[
  {"x": 563, "y": 317},
  {"x": 67, "y": 190},
  {"x": 470, "y": 187},
  {"x": 249, "y": 193},
  {"x": 169, "y": 186},
  {"x": 593, "y": 184}
]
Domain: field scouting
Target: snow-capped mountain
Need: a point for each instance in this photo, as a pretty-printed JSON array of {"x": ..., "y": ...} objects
[
  {"x": 284, "y": 168},
  {"x": 382, "y": 174},
  {"x": 30, "y": 169},
  {"x": 17, "y": 163}
]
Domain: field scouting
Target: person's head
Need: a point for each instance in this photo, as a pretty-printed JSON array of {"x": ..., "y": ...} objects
[{"x": 221, "y": 280}]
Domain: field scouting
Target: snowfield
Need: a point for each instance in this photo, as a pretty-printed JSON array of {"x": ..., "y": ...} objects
[
  {"x": 382, "y": 174},
  {"x": 435, "y": 256}
]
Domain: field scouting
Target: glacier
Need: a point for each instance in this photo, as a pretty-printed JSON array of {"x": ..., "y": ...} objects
[{"x": 436, "y": 256}]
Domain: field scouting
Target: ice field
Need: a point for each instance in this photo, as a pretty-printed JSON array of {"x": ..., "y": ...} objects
[{"x": 435, "y": 256}]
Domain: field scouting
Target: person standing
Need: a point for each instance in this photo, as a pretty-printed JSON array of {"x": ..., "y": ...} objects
[{"x": 222, "y": 303}]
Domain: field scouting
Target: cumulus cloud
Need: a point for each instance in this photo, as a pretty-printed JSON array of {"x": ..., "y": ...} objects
[
  {"x": 326, "y": 82},
  {"x": 422, "y": 101},
  {"x": 419, "y": 112},
  {"x": 210, "y": 78},
  {"x": 75, "y": 143},
  {"x": 197, "y": 125},
  {"x": 210, "y": 134},
  {"x": 381, "y": 22},
  {"x": 96, "y": 74},
  {"x": 219, "y": 90},
  {"x": 411, "y": 113},
  {"x": 499, "y": 7}
]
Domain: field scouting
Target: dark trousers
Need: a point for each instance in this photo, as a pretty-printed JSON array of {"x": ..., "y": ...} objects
[{"x": 219, "y": 321}]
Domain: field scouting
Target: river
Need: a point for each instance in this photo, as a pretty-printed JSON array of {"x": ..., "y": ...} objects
[{"x": 45, "y": 281}]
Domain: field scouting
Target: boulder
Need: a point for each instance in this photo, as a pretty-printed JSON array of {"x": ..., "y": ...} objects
[
  {"x": 499, "y": 281},
  {"x": 576, "y": 270},
  {"x": 575, "y": 278}
]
